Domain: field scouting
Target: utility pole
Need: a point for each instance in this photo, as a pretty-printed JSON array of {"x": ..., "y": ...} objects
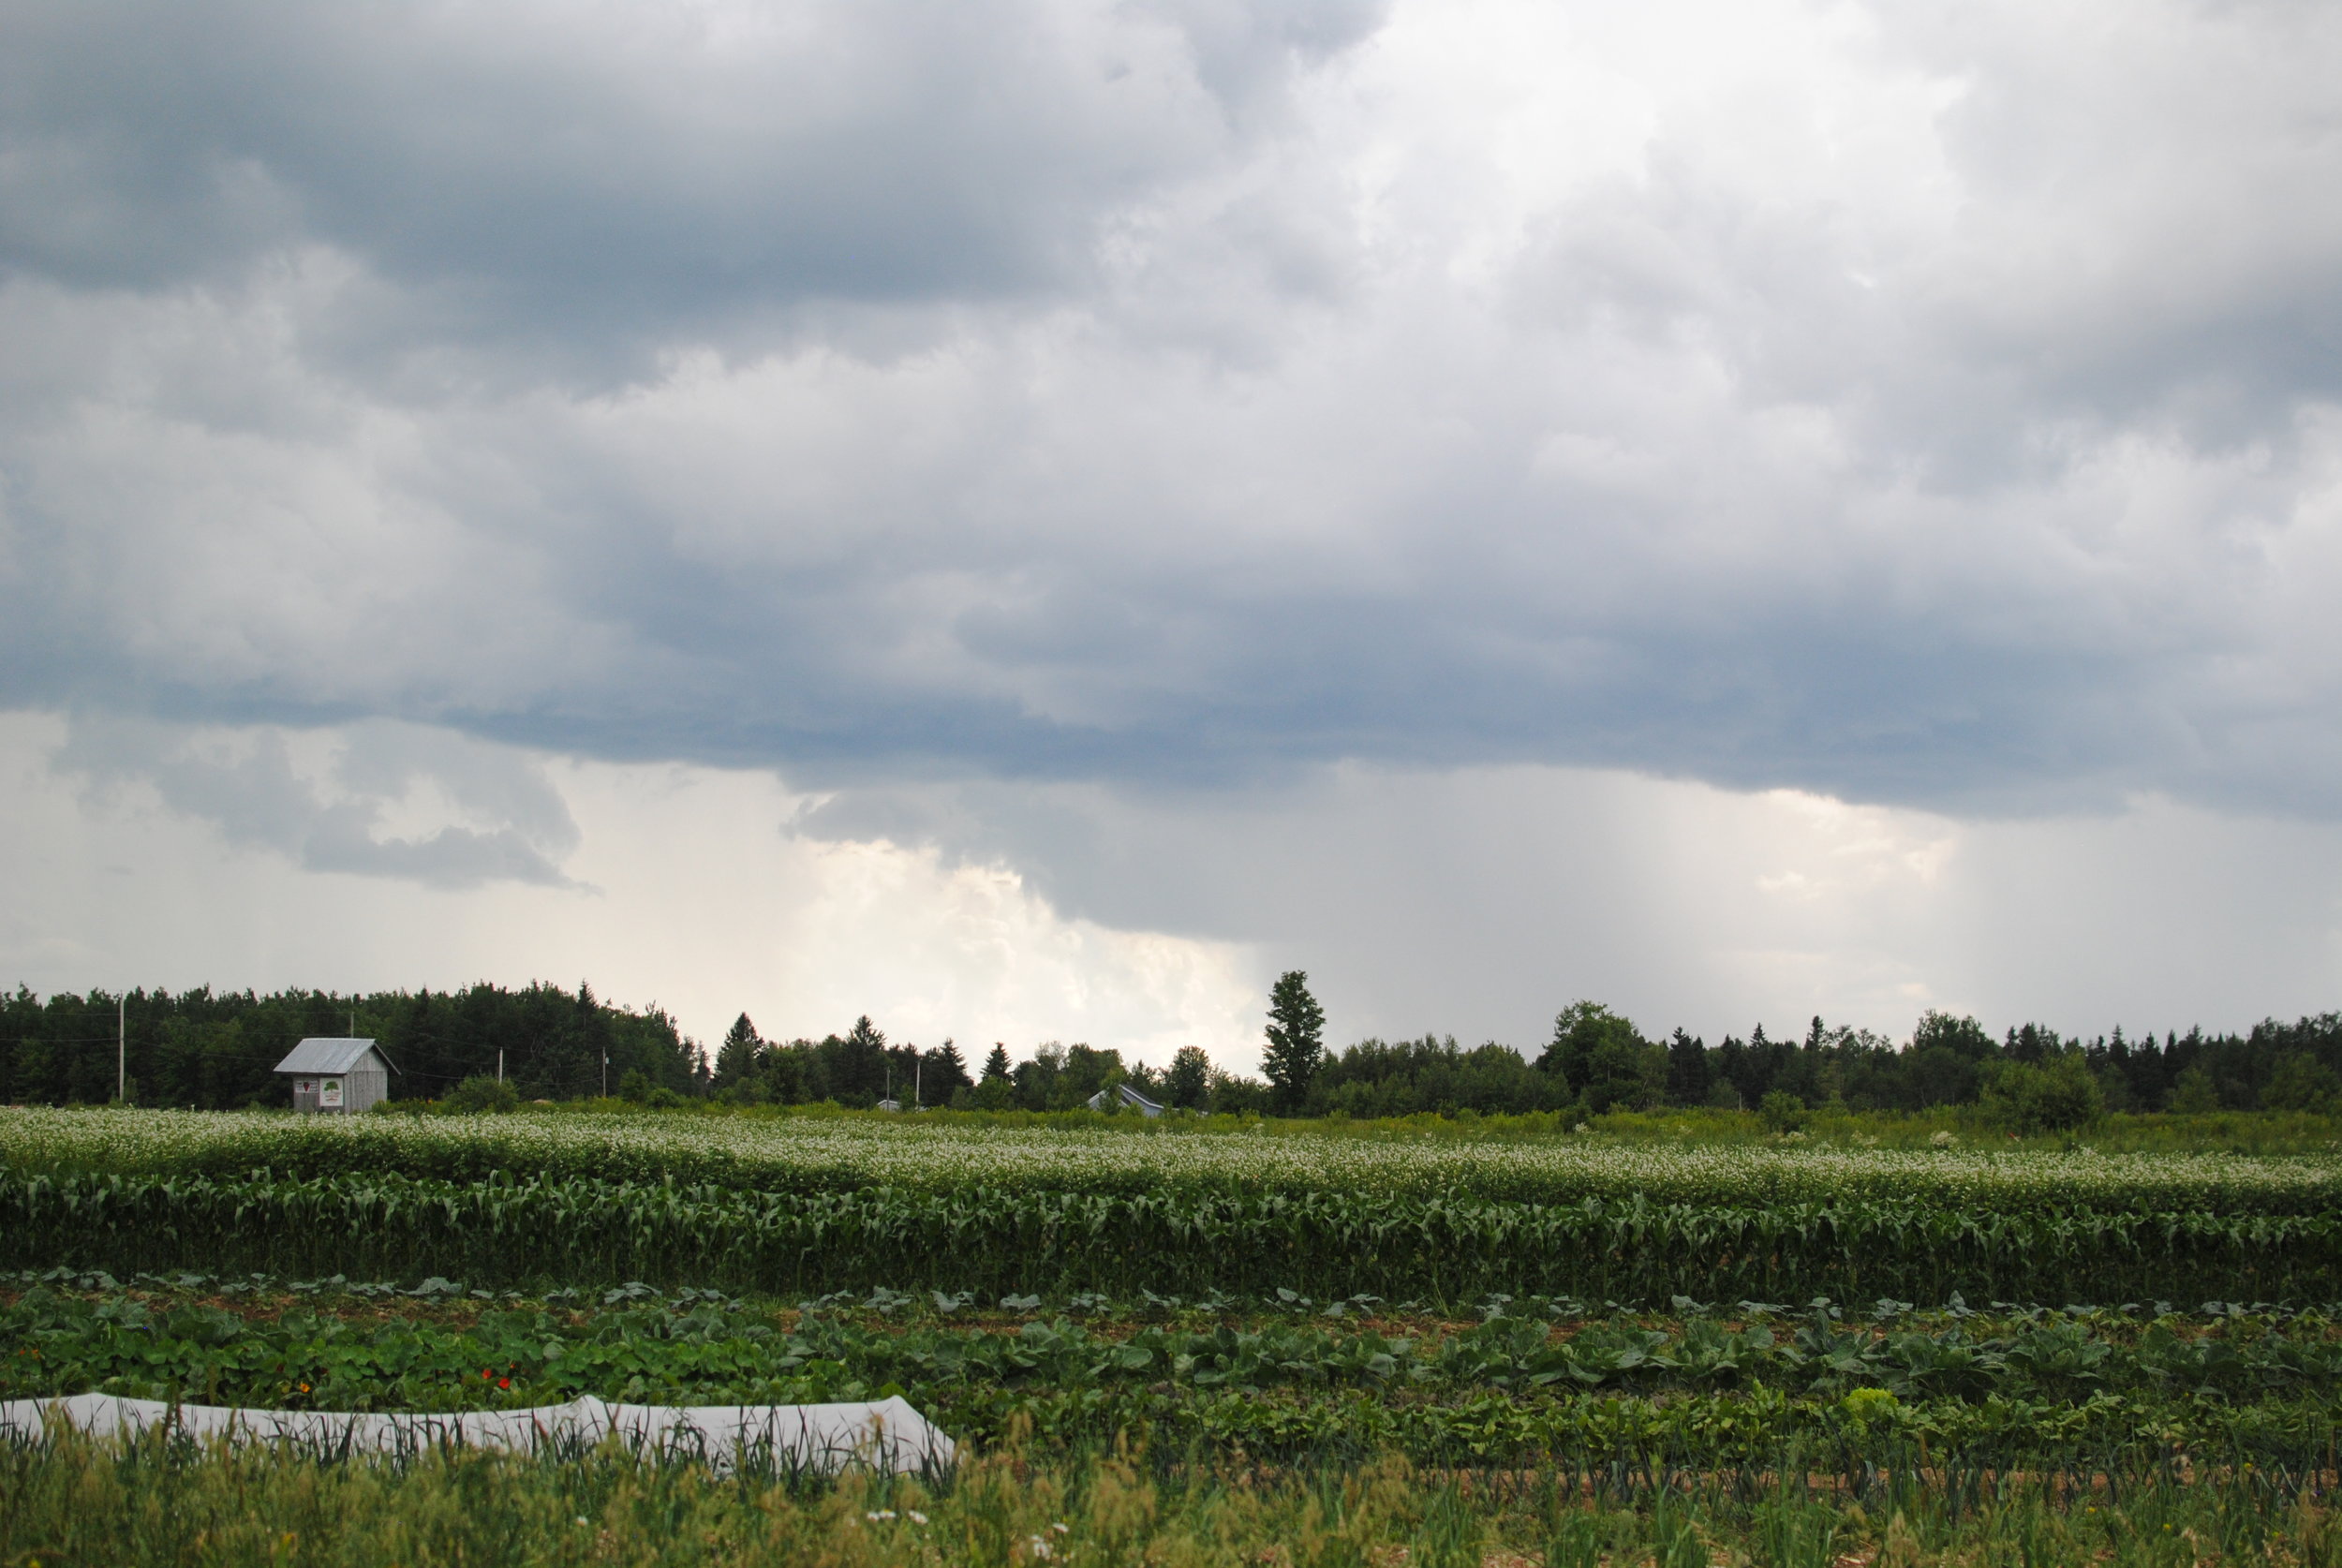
[
  {"x": 605, "y": 1072},
  {"x": 918, "y": 1097},
  {"x": 499, "y": 1064},
  {"x": 121, "y": 1045}
]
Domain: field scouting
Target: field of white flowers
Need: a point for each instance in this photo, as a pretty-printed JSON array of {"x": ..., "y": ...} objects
[{"x": 849, "y": 1152}]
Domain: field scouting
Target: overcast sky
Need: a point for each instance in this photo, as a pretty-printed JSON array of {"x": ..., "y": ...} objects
[{"x": 1027, "y": 518}]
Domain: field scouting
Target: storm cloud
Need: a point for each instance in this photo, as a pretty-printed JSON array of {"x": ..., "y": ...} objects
[{"x": 947, "y": 409}]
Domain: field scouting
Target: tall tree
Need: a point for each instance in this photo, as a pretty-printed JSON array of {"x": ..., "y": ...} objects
[
  {"x": 859, "y": 1077},
  {"x": 1297, "y": 1028},
  {"x": 1189, "y": 1081},
  {"x": 1087, "y": 1070},
  {"x": 1939, "y": 1030},
  {"x": 740, "y": 1055},
  {"x": 996, "y": 1064},
  {"x": 1037, "y": 1079},
  {"x": 1688, "y": 1070},
  {"x": 903, "y": 1075},
  {"x": 942, "y": 1071},
  {"x": 1604, "y": 1059}
]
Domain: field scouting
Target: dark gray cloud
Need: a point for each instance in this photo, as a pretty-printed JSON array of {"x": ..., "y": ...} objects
[
  {"x": 341, "y": 813},
  {"x": 616, "y": 176},
  {"x": 1926, "y": 408}
]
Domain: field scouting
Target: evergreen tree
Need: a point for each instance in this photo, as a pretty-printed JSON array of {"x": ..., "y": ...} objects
[
  {"x": 942, "y": 1071},
  {"x": 996, "y": 1065},
  {"x": 903, "y": 1075},
  {"x": 1297, "y": 1027},
  {"x": 1688, "y": 1070},
  {"x": 741, "y": 1054},
  {"x": 1752, "y": 1069},
  {"x": 860, "y": 1073},
  {"x": 2033, "y": 1043}
]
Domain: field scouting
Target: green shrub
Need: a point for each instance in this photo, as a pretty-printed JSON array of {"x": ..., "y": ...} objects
[
  {"x": 2057, "y": 1096},
  {"x": 2302, "y": 1082},
  {"x": 2194, "y": 1095},
  {"x": 480, "y": 1092}
]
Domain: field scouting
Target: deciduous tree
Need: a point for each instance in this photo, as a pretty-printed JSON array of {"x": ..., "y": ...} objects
[
  {"x": 1188, "y": 1082},
  {"x": 1297, "y": 1028}
]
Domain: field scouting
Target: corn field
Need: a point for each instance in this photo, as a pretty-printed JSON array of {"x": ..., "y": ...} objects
[{"x": 827, "y": 1204}]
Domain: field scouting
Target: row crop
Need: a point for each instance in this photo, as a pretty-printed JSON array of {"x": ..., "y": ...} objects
[
  {"x": 807, "y": 1155},
  {"x": 1617, "y": 1435},
  {"x": 708, "y": 1351},
  {"x": 1437, "y": 1247}
]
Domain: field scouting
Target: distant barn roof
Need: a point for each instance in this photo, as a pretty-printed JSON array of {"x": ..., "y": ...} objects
[
  {"x": 1130, "y": 1097},
  {"x": 322, "y": 1054}
]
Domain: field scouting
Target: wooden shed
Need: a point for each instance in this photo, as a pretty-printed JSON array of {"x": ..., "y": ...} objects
[{"x": 336, "y": 1075}]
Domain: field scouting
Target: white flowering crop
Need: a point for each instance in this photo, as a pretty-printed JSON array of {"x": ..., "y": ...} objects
[{"x": 811, "y": 1153}]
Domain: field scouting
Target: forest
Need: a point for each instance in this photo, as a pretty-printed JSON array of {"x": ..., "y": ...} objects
[
  {"x": 218, "y": 1051},
  {"x": 215, "y": 1050},
  {"x": 1596, "y": 1061}
]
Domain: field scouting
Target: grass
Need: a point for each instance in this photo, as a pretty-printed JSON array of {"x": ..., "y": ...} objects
[{"x": 72, "y": 1502}]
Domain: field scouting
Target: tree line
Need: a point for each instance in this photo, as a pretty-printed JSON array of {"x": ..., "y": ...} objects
[
  {"x": 861, "y": 1068},
  {"x": 219, "y": 1050},
  {"x": 1598, "y": 1062}
]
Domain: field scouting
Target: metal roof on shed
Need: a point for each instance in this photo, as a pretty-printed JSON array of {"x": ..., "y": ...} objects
[{"x": 322, "y": 1054}]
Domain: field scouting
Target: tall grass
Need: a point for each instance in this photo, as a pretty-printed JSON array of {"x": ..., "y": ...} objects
[{"x": 71, "y": 1500}]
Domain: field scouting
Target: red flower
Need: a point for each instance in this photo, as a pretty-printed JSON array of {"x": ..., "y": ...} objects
[{"x": 504, "y": 1383}]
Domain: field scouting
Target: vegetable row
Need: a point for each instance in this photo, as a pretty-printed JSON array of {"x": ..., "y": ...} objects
[
  {"x": 709, "y": 1351},
  {"x": 1436, "y": 1247},
  {"x": 1311, "y": 1393}
]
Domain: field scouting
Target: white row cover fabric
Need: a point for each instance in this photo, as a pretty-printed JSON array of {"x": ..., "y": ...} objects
[{"x": 884, "y": 1435}]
